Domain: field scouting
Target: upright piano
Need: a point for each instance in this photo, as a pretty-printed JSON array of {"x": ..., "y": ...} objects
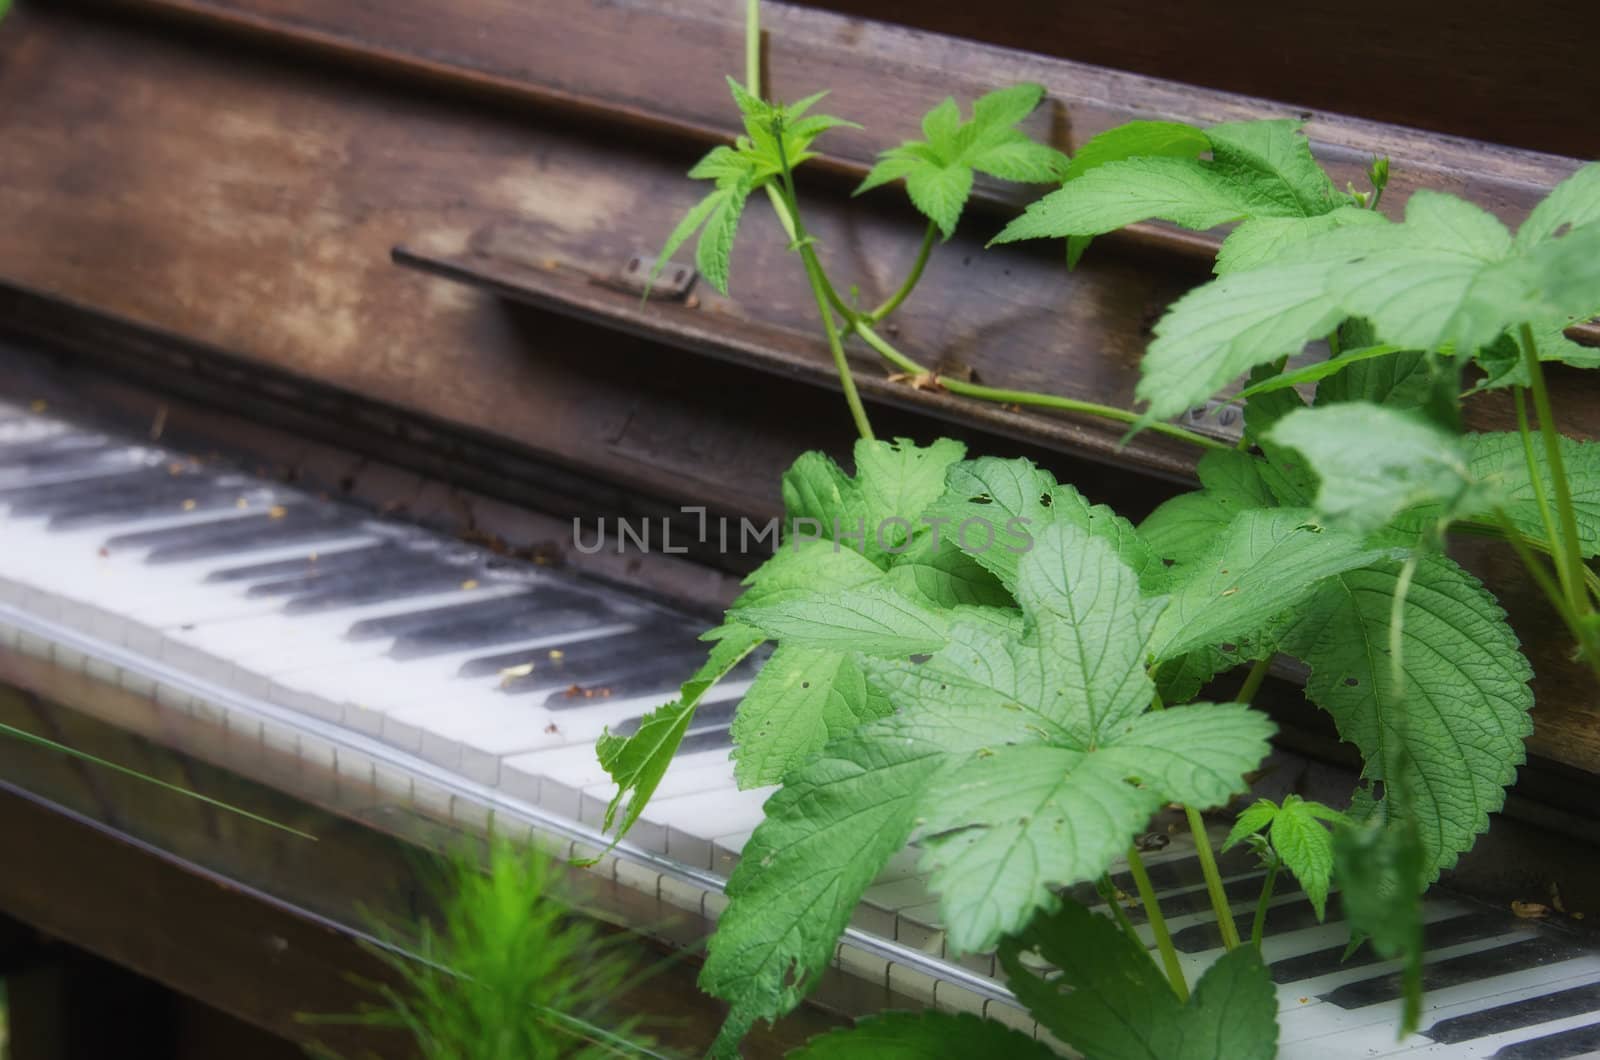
[{"x": 322, "y": 349}]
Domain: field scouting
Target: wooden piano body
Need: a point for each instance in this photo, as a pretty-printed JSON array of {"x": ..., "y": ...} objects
[{"x": 374, "y": 255}]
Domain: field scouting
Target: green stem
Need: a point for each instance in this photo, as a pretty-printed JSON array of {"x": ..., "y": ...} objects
[
  {"x": 1558, "y": 471},
  {"x": 1158, "y": 925},
  {"x": 819, "y": 290},
  {"x": 1108, "y": 894},
  {"x": 1536, "y": 480},
  {"x": 1531, "y": 564},
  {"x": 864, "y": 329},
  {"x": 752, "y": 47},
  {"x": 1252, "y": 680},
  {"x": 1259, "y": 926},
  {"x": 72, "y": 752},
  {"x": 1208, "y": 868},
  {"x": 906, "y": 288}
]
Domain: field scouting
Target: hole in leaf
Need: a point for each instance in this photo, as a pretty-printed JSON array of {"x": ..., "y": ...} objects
[
  {"x": 1351, "y": 682},
  {"x": 1046, "y": 500},
  {"x": 982, "y": 498}
]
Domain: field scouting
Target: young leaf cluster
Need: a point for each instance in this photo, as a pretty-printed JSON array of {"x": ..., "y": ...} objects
[
  {"x": 775, "y": 137},
  {"x": 938, "y": 169}
]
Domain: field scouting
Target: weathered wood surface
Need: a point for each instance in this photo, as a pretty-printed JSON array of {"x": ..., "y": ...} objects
[
  {"x": 1474, "y": 68},
  {"x": 250, "y": 200}
]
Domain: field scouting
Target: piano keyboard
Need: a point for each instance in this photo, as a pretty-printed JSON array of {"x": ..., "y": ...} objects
[{"x": 321, "y": 631}]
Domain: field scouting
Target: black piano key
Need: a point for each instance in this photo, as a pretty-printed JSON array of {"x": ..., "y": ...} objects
[
  {"x": 363, "y": 564},
  {"x": 1436, "y": 935},
  {"x": 83, "y": 496},
  {"x": 85, "y": 464},
  {"x": 663, "y": 674},
  {"x": 1517, "y": 1014},
  {"x": 1280, "y": 918},
  {"x": 287, "y": 568},
  {"x": 379, "y": 586},
  {"x": 705, "y": 740},
  {"x": 39, "y": 498},
  {"x": 1579, "y": 1041},
  {"x": 592, "y": 666},
  {"x": 645, "y": 640},
  {"x": 535, "y": 620},
  {"x": 129, "y": 510},
  {"x": 1469, "y": 968},
  {"x": 194, "y": 541},
  {"x": 706, "y": 716},
  {"x": 52, "y": 449},
  {"x": 592, "y": 609},
  {"x": 443, "y": 616}
]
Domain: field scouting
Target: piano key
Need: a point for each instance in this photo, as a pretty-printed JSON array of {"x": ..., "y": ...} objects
[
  {"x": 267, "y": 571},
  {"x": 415, "y": 577},
  {"x": 60, "y": 447},
  {"x": 222, "y": 536},
  {"x": 94, "y": 464},
  {"x": 649, "y": 639},
  {"x": 555, "y": 593},
  {"x": 112, "y": 511},
  {"x": 40, "y": 498},
  {"x": 1436, "y": 935},
  {"x": 1578, "y": 1041},
  {"x": 1516, "y": 956},
  {"x": 617, "y": 680},
  {"x": 1497, "y": 1019},
  {"x": 310, "y": 578},
  {"x": 536, "y": 615}
]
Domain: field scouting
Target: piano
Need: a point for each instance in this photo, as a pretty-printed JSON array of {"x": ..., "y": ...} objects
[{"x": 323, "y": 361}]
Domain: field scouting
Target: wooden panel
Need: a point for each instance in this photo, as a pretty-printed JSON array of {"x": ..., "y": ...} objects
[{"x": 1474, "y": 68}]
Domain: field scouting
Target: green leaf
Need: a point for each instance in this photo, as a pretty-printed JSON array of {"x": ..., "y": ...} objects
[
  {"x": 1182, "y": 529},
  {"x": 692, "y": 220},
  {"x": 1109, "y": 999},
  {"x": 993, "y": 509},
  {"x": 1259, "y": 169},
  {"x": 1382, "y": 871},
  {"x": 1502, "y": 361},
  {"x": 1448, "y": 278},
  {"x": 1498, "y": 459},
  {"x": 940, "y": 193},
  {"x": 1256, "y": 817},
  {"x": 1573, "y": 203},
  {"x": 715, "y": 250},
  {"x": 1373, "y": 462},
  {"x": 938, "y": 170},
  {"x": 1149, "y": 139},
  {"x": 1264, "y": 563},
  {"x": 873, "y": 619},
  {"x": 1306, "y": 847},
  {"x": 922, "y": 1036},
  {"x": 1005, "y": 107},
  {"x": 1400, "y": 381},
  {"x": 936, "y": 571},
  {"x": 1318, "y": 370},
  {"x": 1457, "y": 727},
  {"x": 1260, "y": 240},
  {"x": 638, "y": 762},
  {"x": 1180, "y": 190},
  {"x": 803, "y": 698},
  {"x": 1271, "y": 165}
]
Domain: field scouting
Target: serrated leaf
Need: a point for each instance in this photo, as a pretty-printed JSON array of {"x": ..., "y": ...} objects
[
  {"x": 1448, "y": 278},
  {"x": 1373, "y": 462},
  {"x": 893, "y": 164},
  {"x": 936, "y": 571},
  {"x": 1148, "y": 139},
  {"x": 714, "y": 252},
  {"x": 1270, "y": 164},
  {"x": 1457, "y": 727},
  {"x": 923, "y": 1036},
  {"x": 1182, "y": 529},
  {"x": 940, "y": 193},
  {"x": 826, "y": 835},
  {"x": 692, "y": 220},
  {"x": 1260, "y": 240},
  {"x": 872, "y": 619},
  {"x": 1320, "y": 370},
  {"x": 1255, "y": 817},
  {"x": 803, "y": 698},
  {"x": 1005, "y": 107},
  {"x": 1109, "y": 999},
  {"x": 939, "y": 125},
  {"x": 637, "y": 763},
  {"x": 1502, "y": 361},
  {"x": 803, "y": 568},
  {"x": 1498, "y": 459},
  {"x": 1306, "y": 847},
  {"x": 1009, "y": 826},
  {"x": 1265, "y": 562},
  {"x": 1382, "y": 871},
  {"x": 896, "y": 482},
  {"x": 1116, "y": 194},
  {"x": 1573, "y": 203},
  {"x": 993, "y": 508},
  {"x": 1016, "y": 158}
]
